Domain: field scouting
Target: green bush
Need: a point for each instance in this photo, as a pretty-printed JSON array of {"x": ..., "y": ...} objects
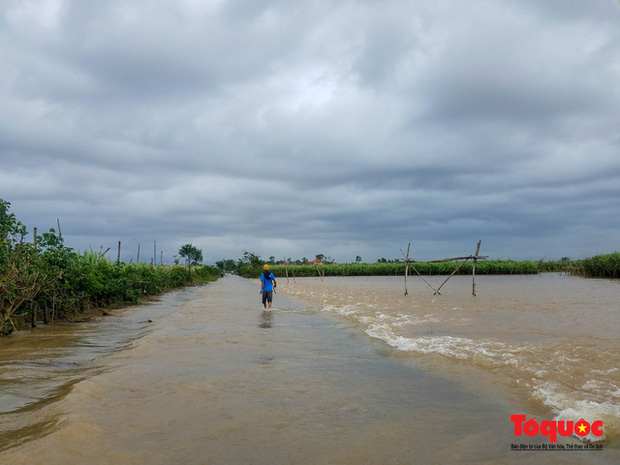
[
  {"x": 601, "y": 266},
  {"x": 61, "y": 283}
]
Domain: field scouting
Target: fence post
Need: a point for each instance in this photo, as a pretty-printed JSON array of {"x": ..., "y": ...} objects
[
  {"x": 407, "y": 268},
  {"x": 33, "y": 314},
  {"x": 473, "y": 271}
]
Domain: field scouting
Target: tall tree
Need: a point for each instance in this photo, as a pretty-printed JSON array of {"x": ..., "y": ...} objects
[{"x": 192, "y": 255}]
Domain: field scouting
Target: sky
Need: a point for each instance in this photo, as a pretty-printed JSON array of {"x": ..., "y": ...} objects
[{"x": 294, "y": 128}]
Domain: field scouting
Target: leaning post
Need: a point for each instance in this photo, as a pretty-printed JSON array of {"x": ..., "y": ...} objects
[{"x": 473, "y": 271}]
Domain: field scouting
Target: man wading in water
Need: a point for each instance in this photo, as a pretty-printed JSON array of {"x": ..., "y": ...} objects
[{"x": 267, "y": 285}]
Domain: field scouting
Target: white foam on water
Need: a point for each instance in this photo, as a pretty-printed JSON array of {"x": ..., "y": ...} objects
[
  {"x": 567, "y": 408},
  {"x": 605, "y": 372},
  {"x": 564, "y": 401},
  {"x": 486, "y": 353}
]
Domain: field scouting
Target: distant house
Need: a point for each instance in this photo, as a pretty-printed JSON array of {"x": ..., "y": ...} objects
[{"x": 316, "y": 262}]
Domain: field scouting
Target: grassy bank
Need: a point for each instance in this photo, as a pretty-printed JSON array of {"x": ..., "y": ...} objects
[
  {"x": 599, "y": 266},
  {"x": 398, "y": 268},
  {"x": 607, "y": 266}
]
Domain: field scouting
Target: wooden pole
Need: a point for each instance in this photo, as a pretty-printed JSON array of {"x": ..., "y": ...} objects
[
  {"x": 118, "y": 256},
  {"x": 138, "y": 257},
  {"x": 154, "y": 262},
  {"x": 469, "y": 257},
  {"x": 427, "y": 283},
  {"x": 407, "y": 267},
  {"x": 473, "y": 271},
  {"x": 161, "y": 258},
  {"x": 453, "y": 273},
  {"x": 319, "y": 271},
  {"x": 101, "y": 254},
  {"x": 33, "y": 310},
  {"x": 474, "y": 257}
]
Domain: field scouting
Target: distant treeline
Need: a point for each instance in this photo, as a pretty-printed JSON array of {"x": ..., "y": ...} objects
[
  {"x": 46, "y": 280},
  {"x": 601, "y": 266}
]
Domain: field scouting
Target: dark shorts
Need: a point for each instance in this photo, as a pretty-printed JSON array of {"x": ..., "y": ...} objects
[{"x": 267, "y": 296}]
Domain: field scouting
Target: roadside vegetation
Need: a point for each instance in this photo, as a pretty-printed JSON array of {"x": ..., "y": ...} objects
[{"x": 50, "y": 281}]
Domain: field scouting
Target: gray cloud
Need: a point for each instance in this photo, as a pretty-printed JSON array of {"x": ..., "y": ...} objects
[{"x": 295, "y": 128}]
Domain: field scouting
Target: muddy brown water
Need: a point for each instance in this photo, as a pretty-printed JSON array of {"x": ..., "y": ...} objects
[{"x": 341, "y": 371}]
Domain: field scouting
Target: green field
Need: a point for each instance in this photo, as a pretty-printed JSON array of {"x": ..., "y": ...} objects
[{"x": 601, "y": 266}]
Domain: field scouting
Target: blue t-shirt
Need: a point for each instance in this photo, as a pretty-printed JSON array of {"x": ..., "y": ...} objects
[{"x": 268, "y": 286}]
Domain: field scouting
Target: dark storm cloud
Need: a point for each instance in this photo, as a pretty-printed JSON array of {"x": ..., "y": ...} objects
[{"x": 294, "y": 128}]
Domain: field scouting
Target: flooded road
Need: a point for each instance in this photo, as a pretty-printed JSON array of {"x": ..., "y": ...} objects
[{"x": 339, "y": 372}]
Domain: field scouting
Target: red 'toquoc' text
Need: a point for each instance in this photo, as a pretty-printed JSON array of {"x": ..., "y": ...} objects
[{"x": 552, "y": 428}]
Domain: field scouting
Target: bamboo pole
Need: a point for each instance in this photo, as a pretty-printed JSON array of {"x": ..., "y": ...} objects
[
  {"x": 474, "y": 257},
  {"x": 319, "y": 272},
  {"x": 101, "y": 254},
  {"x": 33, "y": 310},
  {"x": 473, "y": 271},
  {"x": 469, "y": 257},
  {"x": 418, "y": 273},
  {"x": 448, "y": 278},
  {"x": 407, "y": 267}
]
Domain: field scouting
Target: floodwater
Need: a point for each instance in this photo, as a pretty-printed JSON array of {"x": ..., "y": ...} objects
[{"x": 341, "y": 371}]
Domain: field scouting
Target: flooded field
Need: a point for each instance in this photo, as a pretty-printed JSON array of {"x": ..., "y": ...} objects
[
  {"x": 342, "y": 371},
  {"x": 551, "y": 340}
]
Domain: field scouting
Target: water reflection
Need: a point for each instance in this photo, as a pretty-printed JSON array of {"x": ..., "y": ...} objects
[{"x": 266, "y": 319}]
